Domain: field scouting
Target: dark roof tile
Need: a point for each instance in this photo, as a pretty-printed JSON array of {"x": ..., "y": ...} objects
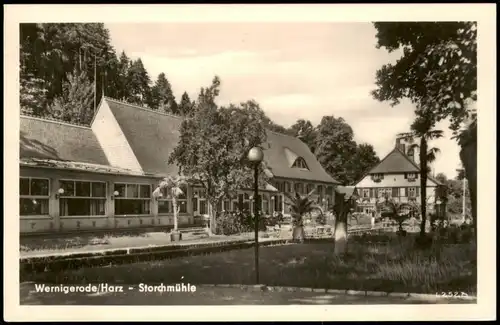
[
  {"x": 153, "y": 136},
  {"x": 49, "y": 139}
]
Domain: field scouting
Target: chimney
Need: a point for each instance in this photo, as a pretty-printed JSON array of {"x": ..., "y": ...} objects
[{"x": 399, "y": 145}]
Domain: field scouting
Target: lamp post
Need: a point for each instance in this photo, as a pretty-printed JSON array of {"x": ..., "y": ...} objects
[{"x": 255, "y": 156}]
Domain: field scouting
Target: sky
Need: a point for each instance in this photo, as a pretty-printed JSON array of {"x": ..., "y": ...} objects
[{"x": 293, "y": 70}]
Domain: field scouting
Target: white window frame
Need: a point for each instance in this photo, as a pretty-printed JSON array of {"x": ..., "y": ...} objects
[
  {"x": 35, "y": 197},
  {"x": 64, "y": 196},
  {"x": 200, "y": 194},
  {"x": 365, "y": 193},
  {"x": 300, "y": 163},
  {"x": 414, "y": 191},
  {"x": 133, "y": 198}
]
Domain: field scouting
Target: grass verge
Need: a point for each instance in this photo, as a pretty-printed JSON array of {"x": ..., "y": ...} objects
[{"x": 391, "y": 267}]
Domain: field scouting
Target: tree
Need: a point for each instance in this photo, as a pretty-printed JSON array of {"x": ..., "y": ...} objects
[
  {"x": 335, "y": 148},
  {"x": 138, "y": 83},
  {"x": 123, "y": 67},
  {"x": 213, "y": 146},
  {"x": 74, "y": 104},
  {"x": 438, "y": 73},
  {"x": 51, "y": 51},
  {"x": 32, "y": 96},
  {"x": 343, "y": 206},
  {"x": 299, "y": 207},
  {"x": 365, "y": 158},
  {"x": 186, "y": 107},
  {"x": 422, "y": 128},
  {"x": 305, "y": 131},
  {"x": 173, "y": 186},
  {"x": 162, "y": 97}
]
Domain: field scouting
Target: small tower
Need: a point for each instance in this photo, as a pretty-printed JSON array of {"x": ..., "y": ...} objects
[{"x": 409, "y": 148}]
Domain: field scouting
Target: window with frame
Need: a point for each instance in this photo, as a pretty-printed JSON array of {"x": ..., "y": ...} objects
[
  {"x": 288, "y": 187},
  {"x": 300, "y": 163},
  {"x": 365, "y": 193},
  {"x": 166, "y": 204},
  {"x": 411, "y": 176},
  {"x": 402, "y": 192},
  {"x": 310, "y": 188},
  {"x": 132, "y": 199},
  {"x": 33, "y": 196},
  {"x": 412, "y": 191},
  {"x": 280, "y": 186},
  {"x": 265, "y": 204},
  {"x": 82, "y": 198},
  {"x": 299, "y": 188}
]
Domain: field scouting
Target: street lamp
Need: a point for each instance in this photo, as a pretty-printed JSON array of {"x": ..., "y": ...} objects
[{"x": 255, "y": 156}]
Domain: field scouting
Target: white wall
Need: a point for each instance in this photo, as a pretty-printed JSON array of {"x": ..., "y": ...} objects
[
  {"x": 391, "y": 180},
  {"x": 112, "y": 140}
]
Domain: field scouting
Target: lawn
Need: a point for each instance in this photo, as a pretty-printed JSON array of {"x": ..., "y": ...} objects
[{"x": 393, "y": 266}]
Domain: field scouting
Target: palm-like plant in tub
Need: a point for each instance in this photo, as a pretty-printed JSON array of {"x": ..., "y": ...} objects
[
  {"x": 172, "y": 187},
  {"x": 300, "y": 206},
  {"x": 397, "y": 211}
]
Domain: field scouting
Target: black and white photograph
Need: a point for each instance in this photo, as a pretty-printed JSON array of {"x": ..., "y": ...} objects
[{"x": 251, "y": 162}]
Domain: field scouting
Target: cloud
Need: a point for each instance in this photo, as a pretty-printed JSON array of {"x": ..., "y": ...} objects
[{"x": 294, "y": 70}]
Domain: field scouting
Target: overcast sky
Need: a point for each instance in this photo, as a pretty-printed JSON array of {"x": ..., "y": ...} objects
[{"x": 293, "y": 70}]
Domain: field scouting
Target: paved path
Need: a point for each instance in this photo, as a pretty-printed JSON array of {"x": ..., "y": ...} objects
[{"x": 209, "y": 296}]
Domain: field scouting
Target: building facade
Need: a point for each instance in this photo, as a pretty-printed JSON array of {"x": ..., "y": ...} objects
[
  {"x": 396, "y": 176},
  {"x": 102, "y": 177}
]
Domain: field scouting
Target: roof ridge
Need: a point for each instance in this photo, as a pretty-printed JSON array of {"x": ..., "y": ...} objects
[
  {"x": 280, "y": 133},
  {"x": 144, "y": 108},
  {"x": 54, "y": 120}
]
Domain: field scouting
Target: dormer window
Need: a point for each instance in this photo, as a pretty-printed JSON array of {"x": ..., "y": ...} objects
[
  {"x": 411, "y": 177},
  {"x": 300, "y": 163}
]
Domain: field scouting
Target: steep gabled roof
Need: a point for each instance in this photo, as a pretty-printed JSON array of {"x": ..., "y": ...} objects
[
  {"x": 152, "y": 135},
  {"x": 55, "y": 140},
  {"x": 397, "y": 162},
  {"x": 280, "y": 152}
]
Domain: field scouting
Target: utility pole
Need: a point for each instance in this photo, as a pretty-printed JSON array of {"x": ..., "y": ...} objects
[
  {"x": 461, "y": 170},
  {"x": 95, "y": 81},
  {"x": 463, "y": 201}
]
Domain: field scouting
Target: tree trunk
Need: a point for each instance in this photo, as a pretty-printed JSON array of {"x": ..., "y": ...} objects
[
  {"x": 423, "y": 184},
  {"x": 174, "y": 206},
  {"x": 468, "y": 156},
  {"x": 212, "y": 216},
  {"x": 340, "y": 234}
]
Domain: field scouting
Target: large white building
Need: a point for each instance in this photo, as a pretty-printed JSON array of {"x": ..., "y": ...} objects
[
  {"x": 102, "y": 177},
  {"x": 397, "y": 175}
]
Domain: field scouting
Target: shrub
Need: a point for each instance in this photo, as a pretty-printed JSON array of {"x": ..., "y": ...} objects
[{"x": 236, "y": 222}]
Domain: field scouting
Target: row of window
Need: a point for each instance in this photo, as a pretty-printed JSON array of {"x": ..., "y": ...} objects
[
  {"x": 82, "y": 198},
  {"x": 86, "y": 198},
  {"x": 409, "y": 176},
  {"x": 389, "y": 191},
  {"x": 302, "y": 188}
]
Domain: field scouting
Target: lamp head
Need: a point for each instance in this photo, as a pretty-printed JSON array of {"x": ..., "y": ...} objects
[{"x": 255, "y": 155}]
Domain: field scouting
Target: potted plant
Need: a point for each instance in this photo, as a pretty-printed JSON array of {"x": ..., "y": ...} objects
[
  {"x": 300, "y": 206},
  {"x": 173, "y": 186},
  {"x": 398, "y": 212}
]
